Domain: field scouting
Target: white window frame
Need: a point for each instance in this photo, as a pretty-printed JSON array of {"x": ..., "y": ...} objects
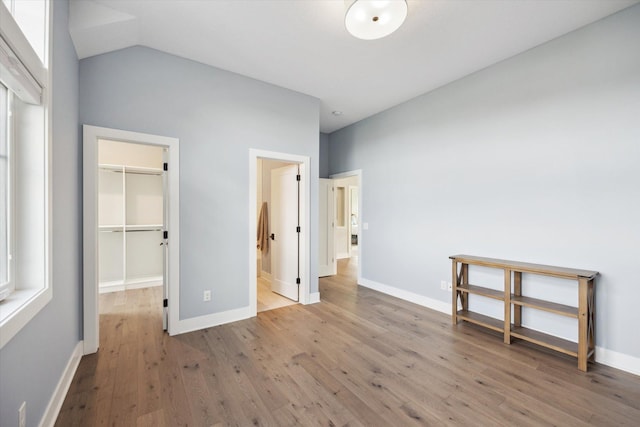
[
  {"x": 30, "y": 80},
  {"x": 8, "y": 287}
]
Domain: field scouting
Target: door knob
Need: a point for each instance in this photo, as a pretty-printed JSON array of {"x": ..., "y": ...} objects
[{"x": 272, "y": 237}]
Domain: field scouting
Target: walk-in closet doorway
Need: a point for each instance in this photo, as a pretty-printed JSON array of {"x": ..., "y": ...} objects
[{"x": 130, "y": 217}]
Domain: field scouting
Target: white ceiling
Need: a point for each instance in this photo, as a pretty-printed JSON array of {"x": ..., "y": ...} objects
[{"x": 302, "y": 45}]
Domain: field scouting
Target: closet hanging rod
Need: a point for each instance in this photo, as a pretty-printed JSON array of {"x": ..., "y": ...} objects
[
  {"x": 130, "y": 231},
  {"x": 134, "y": 172}
]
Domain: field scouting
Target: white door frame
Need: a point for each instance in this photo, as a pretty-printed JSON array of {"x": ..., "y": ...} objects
[
  {"x": 358, "y": 173},
  {"x": 91, "y": 135},
  {"x": 305, "y": 222}
]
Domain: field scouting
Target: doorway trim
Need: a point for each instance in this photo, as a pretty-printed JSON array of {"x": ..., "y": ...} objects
[
  {"x": 305, "y": 210},
  {"x": 91, "y": 135},
  {"x": 358, "y": 173}
]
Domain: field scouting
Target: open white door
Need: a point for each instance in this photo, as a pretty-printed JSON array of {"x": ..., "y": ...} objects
[
  {"x": 285, "y": 224},
  {"x": 165, "y": 241},
  {"x": 326, "y": 249}
]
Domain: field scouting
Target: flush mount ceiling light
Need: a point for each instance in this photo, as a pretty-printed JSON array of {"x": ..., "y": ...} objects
[{"x": 374, "y": 19}]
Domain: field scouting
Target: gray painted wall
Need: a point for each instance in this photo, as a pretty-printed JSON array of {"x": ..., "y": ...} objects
[
  {"x": 218, "y": 116},
  {"x": 32, "y": 363},
  {"x": 324, "y": 155},
  {"x": 533, "y": 159}
]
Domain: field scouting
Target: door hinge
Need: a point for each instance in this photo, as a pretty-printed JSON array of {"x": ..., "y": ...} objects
[
  {"x": 165, "y": 303},
  {"x": 297, "y": 281},
  {"x": 165, "y": 166},
  {"x": 297, "y": 229},
  {"x": 298, "y": 177},
  {"x": 165, "y": 234}
]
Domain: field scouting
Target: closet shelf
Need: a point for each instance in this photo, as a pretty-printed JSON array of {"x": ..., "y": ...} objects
[
  {"x": 131, "y": 169},
  {"x": 126, "y": 228},
  {"x": 108, "y": 228},
  {"x": 144, "y": 227}
]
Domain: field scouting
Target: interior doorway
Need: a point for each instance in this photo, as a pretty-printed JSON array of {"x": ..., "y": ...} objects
[
  {"x": 280, "y": 179},
  {"x": 131, "y": 223},
  {"x": 277, "y": 236},
  {"x": 347, "y": 217},
  {"x": 348, "y": 225},
  {"x": 131, "y": 193}
]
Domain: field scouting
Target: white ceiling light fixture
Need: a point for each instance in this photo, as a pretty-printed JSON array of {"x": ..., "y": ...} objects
[{"x": 374, "y": 19}]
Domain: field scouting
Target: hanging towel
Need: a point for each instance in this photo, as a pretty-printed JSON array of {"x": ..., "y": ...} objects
[{"x": 263, "y": 229}]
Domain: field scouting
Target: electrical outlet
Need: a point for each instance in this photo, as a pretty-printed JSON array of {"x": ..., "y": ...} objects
[
  {"x": 22, "y": 415},
  {"x": 449, "y": 287},
  {"x": 206, "y": 296},
  {"x": 443, "y": 285}
]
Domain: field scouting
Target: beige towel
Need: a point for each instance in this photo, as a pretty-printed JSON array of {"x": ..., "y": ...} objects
[{"x": 263, "y": 229}]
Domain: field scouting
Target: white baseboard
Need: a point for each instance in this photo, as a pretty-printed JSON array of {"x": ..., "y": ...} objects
[
  {"x": 211, "y": 320},
  {"x": 617, "y": 360},
  {"x": 57, "y": 399},
  {"x": 431, "y": 303},
  {"x": 314, "y": 298}
]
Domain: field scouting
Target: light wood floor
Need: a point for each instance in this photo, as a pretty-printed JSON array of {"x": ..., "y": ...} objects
[{"x": 358, "y": 358}]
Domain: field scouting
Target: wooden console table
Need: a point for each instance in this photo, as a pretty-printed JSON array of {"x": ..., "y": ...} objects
[{"x": 584, "y": 349}]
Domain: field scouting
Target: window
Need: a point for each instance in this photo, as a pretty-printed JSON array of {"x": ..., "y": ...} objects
[{"x": 24, "y": 163}]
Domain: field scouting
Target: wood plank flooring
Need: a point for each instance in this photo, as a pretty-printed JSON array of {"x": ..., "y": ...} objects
[{"x": 358, "y": 358}]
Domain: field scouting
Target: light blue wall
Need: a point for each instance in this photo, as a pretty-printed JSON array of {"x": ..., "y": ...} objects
[
  {"x": 217, "y": 116},
  {"x": 32, "y": 363},
  {"x": 324, "y": 155},
  {"x": 534, "y": 159}
]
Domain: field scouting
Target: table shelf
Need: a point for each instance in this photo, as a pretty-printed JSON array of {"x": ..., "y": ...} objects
[
  {"x": 511, "y": 295},
  {"x": 482, "y": 320},
  {"x": 482, "y": 291},
  {"x": 539, "y": 304},
  {"x": 545, "y": 340}
]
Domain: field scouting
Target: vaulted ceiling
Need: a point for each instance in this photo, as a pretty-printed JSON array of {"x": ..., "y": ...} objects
[{"x": 302, "y": 45}]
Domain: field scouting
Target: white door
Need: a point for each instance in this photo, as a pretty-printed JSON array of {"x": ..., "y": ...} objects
[
  {"x": 165, "y": 242},
  {"x": 326, "y": 249},
  {"x": 342, "y": 239},
  {"x": 284, "y": 232}
]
